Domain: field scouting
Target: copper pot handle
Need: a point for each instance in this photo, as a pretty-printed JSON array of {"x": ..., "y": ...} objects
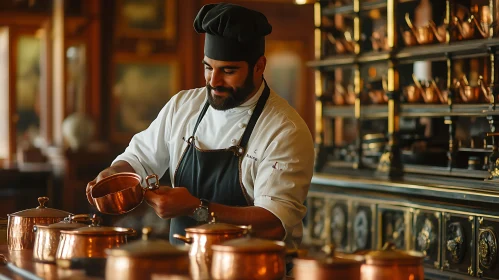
[
  {"x": 187, "y": 240},
  {"x": 91, "y": 185},
  {"x": 80, "y": 218},
  {"x": 152, "y": 186}
]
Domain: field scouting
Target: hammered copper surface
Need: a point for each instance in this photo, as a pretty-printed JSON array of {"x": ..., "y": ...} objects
[
  {"x": 87, "y": 246},
  {"x": 130, "y": 268},
  {"x": 20, "y": 233},
  {"x": 46, "y": 242},
  {"x": 233, "y": 265}
]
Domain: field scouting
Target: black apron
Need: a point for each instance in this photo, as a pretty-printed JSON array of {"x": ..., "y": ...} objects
[{"x": 214, "y": 175}]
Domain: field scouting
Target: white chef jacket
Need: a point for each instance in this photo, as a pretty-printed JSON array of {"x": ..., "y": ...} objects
[{"x": 276, "y": 169}]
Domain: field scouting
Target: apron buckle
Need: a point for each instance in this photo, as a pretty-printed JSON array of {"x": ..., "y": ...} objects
[{"x": 237, "y": 150}]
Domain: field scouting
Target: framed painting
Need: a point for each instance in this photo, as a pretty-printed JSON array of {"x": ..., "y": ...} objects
[
  {"x": 140, "y": 89},
  {"x": 147, "y": 19}
]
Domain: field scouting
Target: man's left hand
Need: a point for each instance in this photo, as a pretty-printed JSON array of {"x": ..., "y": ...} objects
[{"x": 170, "y": 202}]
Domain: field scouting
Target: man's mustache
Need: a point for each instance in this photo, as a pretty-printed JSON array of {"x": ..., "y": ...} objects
[{"x": 220, "y": 89}]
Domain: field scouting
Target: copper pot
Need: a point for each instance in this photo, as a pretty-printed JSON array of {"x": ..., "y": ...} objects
[
  {"x": 328, "y": 267},
  {"x": 423, "y": 34},
  {"x": 412, "y": 94},
  {"x": 467, "y": 93},
  {"x": 20, "y": 233},
  {"x": 141, "y": 259},
  {"x": 119, "y": 193},
  {"x": 89, "y": 242},
  {"x": 390, "y": 263},
  {"x": 249, "y": 258},
  {"x": 47, "y": 237},
  {"x": 466, "y": 28},
  {"x": 202, "y": 238}
]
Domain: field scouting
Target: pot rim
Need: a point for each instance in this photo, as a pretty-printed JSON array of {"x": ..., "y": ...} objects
[
  {"x": 121, "y": 174},
  {"x": 329, "y": 262},
  {"x": 99, "y": 231},
  {"x": 252, "y": 245}
]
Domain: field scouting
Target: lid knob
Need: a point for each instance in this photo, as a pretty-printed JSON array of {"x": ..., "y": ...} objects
[
  {"x": 42, "y": 200},
  {"x": 213, "y": 218},
  {"x": 146, "y": 233},
  {"x": 329, "y": 249},
  {"x": 95, "y": 220}
]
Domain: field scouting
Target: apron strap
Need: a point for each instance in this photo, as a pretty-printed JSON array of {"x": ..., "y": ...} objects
[
  {"x": 254, "y": 117},
  {"x": 201, "y": 115}
]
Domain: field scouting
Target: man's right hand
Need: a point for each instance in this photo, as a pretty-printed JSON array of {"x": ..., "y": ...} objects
[{"x": 117, "y": 167}]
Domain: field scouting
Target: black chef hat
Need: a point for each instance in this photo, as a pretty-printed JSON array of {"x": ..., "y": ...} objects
[{"x": 233, "y": 32}]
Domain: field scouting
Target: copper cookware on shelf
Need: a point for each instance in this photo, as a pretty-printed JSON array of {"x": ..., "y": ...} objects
[
  {"x": 143, "y": 258},
  {"x": 488, "y": 96},
  {"x": 342, "y": 45},
  {"x": 467, "y": 93},
  {"x": 484, "y": 23},
  {"x": 90, "y": 241},
  {"x": 440, "y": 31},
  {"x": 249, "y": 258},
  {"x": 377, "y": 93},
  {"x": 120, "y": 192},
  {"x": 390, "y": 263},
  {"x": 343, "y": 95},
  {"x": 20, "y": 233},
  {"x": 201, "y": 239},
  {"x": 466, "y": 28},
  {"x": 423, "y": 34},
  {"x": 47, "y": 236},
  {"x": 329, "y": 267}
]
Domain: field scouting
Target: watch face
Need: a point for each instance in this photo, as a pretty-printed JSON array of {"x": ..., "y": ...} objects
[{"x": 201, "y": 214}]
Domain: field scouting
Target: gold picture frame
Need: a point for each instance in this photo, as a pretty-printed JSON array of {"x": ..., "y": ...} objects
[{"x": 147, "y": 19}]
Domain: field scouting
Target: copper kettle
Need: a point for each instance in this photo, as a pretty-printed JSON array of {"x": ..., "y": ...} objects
[
  {"x": 485, "y": 26},
  {"x": 423, "y": 34},
  {"x": 467, "y": 93},
  {"x": 487, "y": 93},
  {"x": 466, "y": 28},
  {"x": 440, "y": 31}
]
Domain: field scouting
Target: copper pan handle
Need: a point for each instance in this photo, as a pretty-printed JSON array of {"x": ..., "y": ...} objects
[
  {"x": 80, "y": 218},
  {"x": 90, "y": 186},
  {"x": 187, "y": 240},
  {"x": 154, "y": 185}
]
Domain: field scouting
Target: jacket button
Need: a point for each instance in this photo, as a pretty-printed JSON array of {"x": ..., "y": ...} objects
[
  {"x": 250, "y": 112},
  {"x": 242, "y": 125},
  {"x": 233, "y": 141}
]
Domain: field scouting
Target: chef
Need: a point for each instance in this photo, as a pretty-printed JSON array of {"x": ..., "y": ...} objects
[{"x": 233, "y": 147}]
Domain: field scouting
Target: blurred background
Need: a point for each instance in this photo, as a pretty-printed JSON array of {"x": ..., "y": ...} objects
[{"x": 78, "y": 78}]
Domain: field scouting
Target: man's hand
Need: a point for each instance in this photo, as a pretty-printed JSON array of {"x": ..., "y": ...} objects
[
  {"x": 170, "y": 202},
  {"x": 120, "y": 166}
]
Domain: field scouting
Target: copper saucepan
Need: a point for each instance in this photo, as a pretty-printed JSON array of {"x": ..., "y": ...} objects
[
  {"x": 249, "y": 258},
  {"x": 201, "y": 239},
  {"x": 90, "y": 241},
  {"x": 332, "y": 266},
  {"x": 147, "y": 257},
  {"x": 47, "y": 236},
  {"x": 119, "y": 193}
]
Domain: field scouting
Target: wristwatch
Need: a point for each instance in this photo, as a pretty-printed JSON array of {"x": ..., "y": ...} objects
[{"x": 202, "y": 213}]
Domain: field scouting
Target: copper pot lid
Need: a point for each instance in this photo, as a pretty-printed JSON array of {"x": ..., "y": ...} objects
[
  {"x": 330, "y": 260},
  {"x": 213, "y": 227},
  {"x": 148, "y": 248},
  {"x": 96, "y": 229},
  {"x": 250, "y": 245},
  {"x": 389, "y": 255},
  {"x": 69, "y": 223},
  {"x": 41, "y": 211}
]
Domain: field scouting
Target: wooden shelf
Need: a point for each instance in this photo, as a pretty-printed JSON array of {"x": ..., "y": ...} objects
[
  {"x": 340, "y": 164},
  {"x": 443, "y": 110},
  {"x": 474, "y": 150},
  {"x": 339, "y": 111},
  {"x": 445, "y": 171},
  {"x": 461, "y": 49},
  {"x": 340, "y": 10},
  {"x": 368, "y": 111}
]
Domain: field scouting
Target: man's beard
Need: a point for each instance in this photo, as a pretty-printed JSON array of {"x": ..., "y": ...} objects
[{"x": 234, "y": 98}]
